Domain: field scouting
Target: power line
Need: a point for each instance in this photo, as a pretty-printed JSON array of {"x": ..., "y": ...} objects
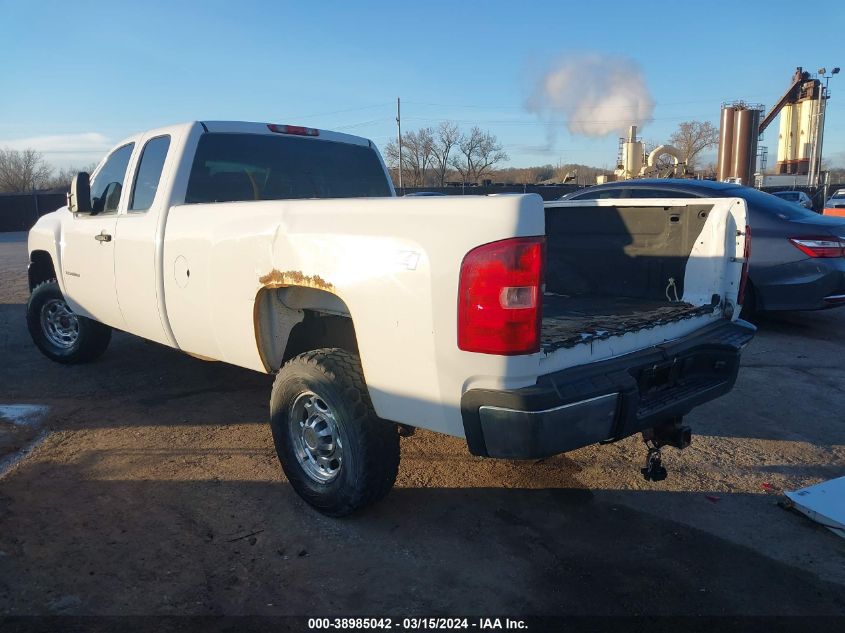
[
  {"x": 369, "y": 107},
  {"x": 544, "y": 123},
  {"x": 359, "y": 124},
  {"x": 513, "y": 107}
]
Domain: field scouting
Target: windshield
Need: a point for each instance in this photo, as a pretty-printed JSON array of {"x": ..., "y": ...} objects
[
  {"x": 772, "y": 204},
  {"x": 234, "y": 167},
  {"x": 839, "y": 194}
]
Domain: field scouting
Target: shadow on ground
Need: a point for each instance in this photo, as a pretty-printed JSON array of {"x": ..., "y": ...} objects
[{"x": 223, "y": 547}]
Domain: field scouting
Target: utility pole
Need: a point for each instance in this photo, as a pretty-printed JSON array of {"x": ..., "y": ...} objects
[{"x": 399, "y": 138}]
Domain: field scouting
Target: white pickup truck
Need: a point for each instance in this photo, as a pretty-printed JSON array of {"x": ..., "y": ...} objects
[{"x": 527, "y": 330}]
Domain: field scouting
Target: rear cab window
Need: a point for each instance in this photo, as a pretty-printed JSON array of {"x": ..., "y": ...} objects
[
  {"x": 231, "y": 167},
  {"x": 148, "y": 173}
]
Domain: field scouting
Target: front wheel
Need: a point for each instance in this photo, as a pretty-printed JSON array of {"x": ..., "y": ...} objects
[
  {"x": 60, "y": 334},
  {"x": 336, "y": 453}
]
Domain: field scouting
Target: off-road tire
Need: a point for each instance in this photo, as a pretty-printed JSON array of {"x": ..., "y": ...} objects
[
  {"x": 370, "y": 445},
  {"x": 91, "y": 340}
]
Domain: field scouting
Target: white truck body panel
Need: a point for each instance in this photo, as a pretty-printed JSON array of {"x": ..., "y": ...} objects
[
  {"x": 364, "y": 251},
  {"x": 189, "y": 276}
]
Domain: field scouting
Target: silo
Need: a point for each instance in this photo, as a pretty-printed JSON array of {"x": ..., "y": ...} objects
[
  {"x": 786, "y": 137},
  {"x": 741, "y": 155},
  {"x": 632, "y": 155},
  {"x": 726, "y": 134}
]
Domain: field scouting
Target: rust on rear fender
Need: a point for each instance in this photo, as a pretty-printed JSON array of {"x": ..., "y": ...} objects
[{"x": 278, "y": 279}]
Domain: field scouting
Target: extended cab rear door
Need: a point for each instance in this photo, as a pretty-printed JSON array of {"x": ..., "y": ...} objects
[{"x": 139, "y": 233}]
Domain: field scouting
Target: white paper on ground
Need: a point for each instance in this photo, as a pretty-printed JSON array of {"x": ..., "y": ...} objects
[{"x": 824, "y": 503}]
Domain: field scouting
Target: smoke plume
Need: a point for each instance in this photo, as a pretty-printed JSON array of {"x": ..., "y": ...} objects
[{"x": 593, "y": 95}]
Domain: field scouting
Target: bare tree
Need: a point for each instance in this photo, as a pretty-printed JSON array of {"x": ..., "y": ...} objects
[
  {"x": 61, "y": 178},
  {"x": 692, "y": 137},
  {"x": 391, "y": 157},
  {"x": 489, "y": 152},
  {"x": 417, "y": 155},
  {"x": 444, "y": 141},
  {"x": 22, "y": 170},
  {"x": 477, "y": 153}
]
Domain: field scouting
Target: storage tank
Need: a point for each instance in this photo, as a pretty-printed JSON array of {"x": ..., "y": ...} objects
[
  {"x": 741, "y": 153},
  {"x": 630, "y": 156},
  {"x": 726, "y": 134},
  {"x": 787, "y": 147}
]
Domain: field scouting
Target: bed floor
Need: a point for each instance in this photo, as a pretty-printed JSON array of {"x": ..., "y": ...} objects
[{"x": 570, "y": 321}]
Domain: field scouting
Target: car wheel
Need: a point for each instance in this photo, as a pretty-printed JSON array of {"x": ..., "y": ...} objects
[
  {"x": 58, "y": 332},
  {"x": 336, "y": 453}
]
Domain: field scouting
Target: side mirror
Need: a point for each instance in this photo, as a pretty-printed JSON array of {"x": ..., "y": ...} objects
[{"x": 79, "y": 198}]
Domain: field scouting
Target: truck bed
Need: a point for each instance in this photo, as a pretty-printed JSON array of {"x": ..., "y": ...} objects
[{"x": 572, "y": 320}]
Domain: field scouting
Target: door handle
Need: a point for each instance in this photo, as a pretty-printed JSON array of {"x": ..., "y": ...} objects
[{"x": 103, "y": 237}]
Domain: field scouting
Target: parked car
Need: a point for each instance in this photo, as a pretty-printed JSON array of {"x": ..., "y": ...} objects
[
  {"x": 798, "y": 197},
  {"x": 836, "y": 201},
  {"x": 798, "y": 258},
  {"x": 283, "y": 249}
]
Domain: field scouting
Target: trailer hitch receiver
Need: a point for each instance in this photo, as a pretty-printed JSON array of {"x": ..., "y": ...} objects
[{"x": 672, "y": 433}]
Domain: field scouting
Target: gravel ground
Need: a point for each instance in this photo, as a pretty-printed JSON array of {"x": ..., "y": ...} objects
[{"x": 157, "y": 491}]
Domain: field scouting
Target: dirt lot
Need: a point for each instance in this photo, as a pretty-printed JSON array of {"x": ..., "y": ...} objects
[{"x": 157, "y": 491}]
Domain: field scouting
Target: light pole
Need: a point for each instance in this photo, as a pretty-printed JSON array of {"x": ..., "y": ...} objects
[{"x": 399, "y": 138}]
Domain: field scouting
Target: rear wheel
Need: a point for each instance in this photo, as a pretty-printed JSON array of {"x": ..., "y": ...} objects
[
  {"x": 58, "y": 332},
  {"x": 336, "y": 453}
]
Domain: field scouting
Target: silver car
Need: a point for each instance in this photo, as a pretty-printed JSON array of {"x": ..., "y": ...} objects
[
  {"x": 798, "y": 197},
  {"x": 837, "y": 200}
]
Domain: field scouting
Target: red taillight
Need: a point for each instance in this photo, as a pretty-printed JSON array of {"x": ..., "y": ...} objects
[
  {"x": 293, "y": 129},
  {"x": 746, "y": 255},
  {"x": 819, "y": 246},
  {"x": 499, "y": 301}
]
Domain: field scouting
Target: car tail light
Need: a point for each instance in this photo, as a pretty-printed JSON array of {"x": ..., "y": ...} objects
[
  {"x": 819, "y": 246},
  {"x": 298, "y": 130},
  {"x": 499, "y": 300},
  {"x": 746, "y": 255}
]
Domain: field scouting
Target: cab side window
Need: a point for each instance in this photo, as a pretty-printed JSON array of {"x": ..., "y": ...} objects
[
  {"x": 148, "y": 173},
  {"x": 108, "y": 183}
]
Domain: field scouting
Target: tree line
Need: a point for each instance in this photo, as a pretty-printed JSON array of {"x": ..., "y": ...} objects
[
  {"x": 26, "y": 170},
  {"x": 438, "y": 155},
  {"x": 431, "y": 156}
]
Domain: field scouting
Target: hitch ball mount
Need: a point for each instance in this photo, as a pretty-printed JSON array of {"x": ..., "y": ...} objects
[{"x": 670, "y": 434}]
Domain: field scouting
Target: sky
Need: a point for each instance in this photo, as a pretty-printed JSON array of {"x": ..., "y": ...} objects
[{"x": 76, "y": 78}]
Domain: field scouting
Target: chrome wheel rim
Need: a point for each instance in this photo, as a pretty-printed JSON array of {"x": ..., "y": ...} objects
[
  {"x": 316, "y": 438},
  {"x": 59, "y": 324}
]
